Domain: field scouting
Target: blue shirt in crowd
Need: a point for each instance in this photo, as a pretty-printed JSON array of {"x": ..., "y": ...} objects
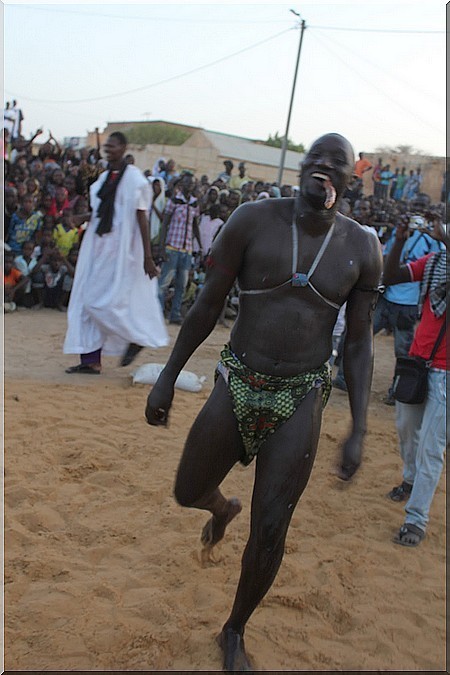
[{"x": 417, "y": 245}]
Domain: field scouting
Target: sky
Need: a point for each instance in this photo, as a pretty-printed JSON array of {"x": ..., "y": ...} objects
[{"x": 374, "y": 72}]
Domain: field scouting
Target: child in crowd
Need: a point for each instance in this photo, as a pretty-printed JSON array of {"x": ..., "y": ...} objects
[
  {"x": 24, "y": 224},
  {"x": 21, "y": 190},
  {"x": 65, "y": 233},
  {"x": 48, "y": 223},
  {"x": 45, "y": 241},
  {"x": 42, "y": 250},
  {"x": 54, "y": 268},
  {"x": 25, "y": 263},
  {"x": 33, "y": 188},
  {"x": 14, "y": 283},
  {"x": 46, "y": 204},
  {"x": 59, "y": 202}
]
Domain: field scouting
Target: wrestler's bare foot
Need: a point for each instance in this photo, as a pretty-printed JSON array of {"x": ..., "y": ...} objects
[
  {"x": 214, "y": 529},
  {"x": 234, "y": 656}
]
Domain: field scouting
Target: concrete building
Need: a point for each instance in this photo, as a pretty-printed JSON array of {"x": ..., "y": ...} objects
[{"x": 205, "y": 151}]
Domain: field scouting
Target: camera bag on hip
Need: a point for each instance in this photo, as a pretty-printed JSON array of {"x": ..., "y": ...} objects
[{"x": 411, "y": 375}]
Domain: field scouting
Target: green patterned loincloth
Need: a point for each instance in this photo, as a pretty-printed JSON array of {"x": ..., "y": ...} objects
[{"x": 262, "y": 403}]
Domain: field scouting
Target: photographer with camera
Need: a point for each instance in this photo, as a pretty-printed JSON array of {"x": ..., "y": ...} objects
[
  {"x": 422, "y": 426},
  {"x": 397, "y": 307}
]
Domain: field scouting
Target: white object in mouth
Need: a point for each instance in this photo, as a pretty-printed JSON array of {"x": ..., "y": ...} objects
[
  {"x": 330, "y": 192},
  {"x": 330, "y": 195}
]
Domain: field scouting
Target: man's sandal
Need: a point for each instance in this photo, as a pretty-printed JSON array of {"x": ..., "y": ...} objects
[
  {"x": 409, "y": 535},
  {"x": 83, "y": 369},
  {"x": 400, "y": 493}
]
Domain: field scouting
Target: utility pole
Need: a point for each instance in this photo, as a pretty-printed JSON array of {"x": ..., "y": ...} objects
[{"x": 285, "y": 138}]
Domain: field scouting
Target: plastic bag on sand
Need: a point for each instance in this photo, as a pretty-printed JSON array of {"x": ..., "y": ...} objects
[{"x": 149, "y": 373}]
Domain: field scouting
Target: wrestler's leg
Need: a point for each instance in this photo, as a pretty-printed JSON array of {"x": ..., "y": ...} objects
[
  {"x": 283, "y": 468},
  {"x": 212, "y": 448}
]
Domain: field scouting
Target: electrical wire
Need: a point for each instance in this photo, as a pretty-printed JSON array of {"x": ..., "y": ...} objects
[
  {"x": 380, "y": 30},
  {"x": 154, "y": 84},
  {"x": 374, "y": 86},
  {"x": 391, "y": 74},
  {"x": 175, "y": 19}
]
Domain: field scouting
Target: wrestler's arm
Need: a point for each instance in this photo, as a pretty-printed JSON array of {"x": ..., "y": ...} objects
[
  {"x": 358, "y": 353},
  {"x": 224, "y": 264}
]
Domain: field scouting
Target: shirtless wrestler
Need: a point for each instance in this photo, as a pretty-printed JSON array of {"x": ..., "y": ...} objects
[{"x": 297, "y": 261}]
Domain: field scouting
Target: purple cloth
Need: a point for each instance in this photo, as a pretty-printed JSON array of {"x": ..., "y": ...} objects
[{"x": 91, "y": 358}]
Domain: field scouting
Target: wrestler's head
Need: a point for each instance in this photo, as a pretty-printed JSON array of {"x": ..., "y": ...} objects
[{"x": 326, "y": 171}]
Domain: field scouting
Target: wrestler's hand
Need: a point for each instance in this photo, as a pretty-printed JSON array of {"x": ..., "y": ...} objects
[
  {"x": 150, "y": 267},
  {"x": 159, "y": 402},
  {"x": 351, "y": 457}
]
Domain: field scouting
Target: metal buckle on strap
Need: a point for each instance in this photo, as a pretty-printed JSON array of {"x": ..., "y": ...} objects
[{"x": 299, "y": 279}]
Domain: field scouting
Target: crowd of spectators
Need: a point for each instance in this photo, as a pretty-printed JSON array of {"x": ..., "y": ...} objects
[{"x": 46, "y": 210}]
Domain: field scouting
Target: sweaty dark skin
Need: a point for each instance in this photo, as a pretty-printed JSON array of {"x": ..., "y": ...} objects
[{"x": 283, "y": 332}]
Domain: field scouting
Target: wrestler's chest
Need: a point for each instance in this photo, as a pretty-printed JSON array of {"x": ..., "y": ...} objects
[{"x": 270, "y": 262}]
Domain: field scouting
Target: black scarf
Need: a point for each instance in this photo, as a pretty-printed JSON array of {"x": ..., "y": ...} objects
[
  {"x": 107, "y": 194},
  {"x": 435, "y": 282}
]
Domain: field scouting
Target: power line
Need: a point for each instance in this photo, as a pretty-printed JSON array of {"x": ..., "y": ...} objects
[
  {"x": 171, "y": 19},
  {"x": 361, "y": 57},
  {"x": 379, "y": 30},
  {"x": 175, "y": 19},
  {"x": 372, "y": 84},
  {"x": 154, "y": 84}
]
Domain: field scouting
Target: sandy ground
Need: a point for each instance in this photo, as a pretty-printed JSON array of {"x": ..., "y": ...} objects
[{"x": 102, "y": 567}]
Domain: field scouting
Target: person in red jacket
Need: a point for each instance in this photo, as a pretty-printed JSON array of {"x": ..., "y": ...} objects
[{"x": 422, "y": 427}]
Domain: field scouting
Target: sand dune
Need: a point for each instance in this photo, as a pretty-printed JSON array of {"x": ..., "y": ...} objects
[{"x": 102, "y": 568}]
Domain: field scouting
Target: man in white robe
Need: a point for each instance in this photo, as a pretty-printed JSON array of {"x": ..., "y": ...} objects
[{"x": 114, "y": 307}]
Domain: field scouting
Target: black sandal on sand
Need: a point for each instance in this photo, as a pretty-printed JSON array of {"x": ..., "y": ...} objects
[
  {"x": 82, "y": 368},
  {"x": 401, "y": 493},
  {"x": 131, "y": 353},
  {"x": 409, "y": 535}
]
